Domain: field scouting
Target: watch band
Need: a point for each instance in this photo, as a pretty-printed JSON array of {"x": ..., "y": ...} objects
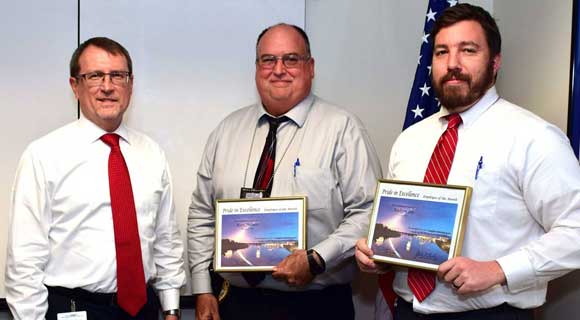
[
  {"x": 315, "y": 267},
  {"x": 173, "y": 312}
]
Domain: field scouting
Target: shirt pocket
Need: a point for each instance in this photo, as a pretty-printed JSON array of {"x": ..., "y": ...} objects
[
  {"x": 315, "y": 184},
  {"x": 484, "y": 179}
]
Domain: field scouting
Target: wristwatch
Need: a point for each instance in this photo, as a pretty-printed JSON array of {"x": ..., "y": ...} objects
[
  {"x": 173, "y": 312},
  {"x": 315, "y": 267}
]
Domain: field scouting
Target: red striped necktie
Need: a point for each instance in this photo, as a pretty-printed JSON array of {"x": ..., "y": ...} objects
[
  {"x": 422, "y": 282},
  {"x": 131, "y": 288}
]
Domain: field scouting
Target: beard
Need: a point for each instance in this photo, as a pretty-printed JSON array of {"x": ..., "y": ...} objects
[{"x": 453, "y": 97}]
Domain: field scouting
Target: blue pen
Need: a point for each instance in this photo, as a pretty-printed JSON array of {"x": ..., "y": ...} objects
[
  {"x": 479, "y": 167},
  {"x": 296, "y": 164}
]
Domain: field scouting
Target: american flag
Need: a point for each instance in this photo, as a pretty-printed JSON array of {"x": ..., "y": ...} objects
[
  {"x": 422, "y": 103},
  {"x": 422, "y": 100}
]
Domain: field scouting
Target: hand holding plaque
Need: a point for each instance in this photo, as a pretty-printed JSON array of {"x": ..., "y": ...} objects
[{"x": 416, "y": 224}]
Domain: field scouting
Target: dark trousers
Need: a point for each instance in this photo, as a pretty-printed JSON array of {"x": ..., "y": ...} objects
[
  {"x": 334, "y": 302},
  {"x": 99, "y": 306},
  {"x": 404, "y": 311}
]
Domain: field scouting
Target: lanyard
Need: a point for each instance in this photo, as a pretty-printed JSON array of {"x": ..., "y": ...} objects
[{"x": 277, "y": 165}]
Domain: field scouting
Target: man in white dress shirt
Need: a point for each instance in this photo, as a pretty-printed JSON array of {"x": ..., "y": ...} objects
[
  {"x": 523, "y": 226},
  {"x": 63, "y": 253}
]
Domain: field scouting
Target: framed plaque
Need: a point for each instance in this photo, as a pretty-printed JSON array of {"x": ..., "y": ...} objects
[
  {"x": 257, "y": 234},
  {"x": 418, "y": 225}
]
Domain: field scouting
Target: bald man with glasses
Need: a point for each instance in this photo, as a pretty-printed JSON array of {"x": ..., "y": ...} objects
[{"x": 295, "y": 144}]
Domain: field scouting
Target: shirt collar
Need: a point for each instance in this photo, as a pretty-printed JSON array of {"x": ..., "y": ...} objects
[
  {"x": 470, "y": 115},
  {"x": 297, "y": 114},
  {"x": 90, "y": 132}
]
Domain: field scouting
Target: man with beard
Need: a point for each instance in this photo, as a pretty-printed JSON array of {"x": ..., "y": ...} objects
[{"x": 523, "y": 227}]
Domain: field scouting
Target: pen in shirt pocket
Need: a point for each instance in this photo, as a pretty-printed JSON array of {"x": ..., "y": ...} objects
[
  {"x": 296, "y": 164},
  {"x": 479, "y": 167}
]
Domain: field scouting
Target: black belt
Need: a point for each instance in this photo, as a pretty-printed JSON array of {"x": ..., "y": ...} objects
[
  {"x": 501, "y": 309},
  {"x": 84, "y": 295}
]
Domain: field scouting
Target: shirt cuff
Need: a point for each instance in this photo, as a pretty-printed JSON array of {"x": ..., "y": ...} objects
[
  {"x": 328, "y": 251},
  {"x": 518, "y": 271},
  {"x": 169, "y": 299},
  {"x": 201, "y": 283}
]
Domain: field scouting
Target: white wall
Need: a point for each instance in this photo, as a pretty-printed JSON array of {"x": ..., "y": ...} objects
[
  {"x": 34, "y": 93},
  {"x": 536, "y": 38}
]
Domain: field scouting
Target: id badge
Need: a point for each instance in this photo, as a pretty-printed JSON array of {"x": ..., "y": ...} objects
[
  {"x": 79, "y": 315},
  {"x": 251, "y": 193}
]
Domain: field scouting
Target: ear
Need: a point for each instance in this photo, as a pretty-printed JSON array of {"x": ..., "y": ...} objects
[
  {"x": 74, "y": 84},
  {"x": 130, "y": 85},
  {"x": 311, "y": 67},
  {"x": 496, "y": 63}
]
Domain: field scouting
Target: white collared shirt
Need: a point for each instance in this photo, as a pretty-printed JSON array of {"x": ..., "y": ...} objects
[
  {"x": 525, "y": 207},
  {"x": 61, "y": 222}
]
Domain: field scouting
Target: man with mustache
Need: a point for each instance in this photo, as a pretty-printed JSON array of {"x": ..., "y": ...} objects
[
  {"x": 523, "y": 225},
  {"x": 322, "y": 152},
  {"x": 93, "y": 232}
]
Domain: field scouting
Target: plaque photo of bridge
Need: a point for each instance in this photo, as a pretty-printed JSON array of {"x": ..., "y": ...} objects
[
  {"x": 257, "y": 234},
  {"x": 417, "y": 225}
]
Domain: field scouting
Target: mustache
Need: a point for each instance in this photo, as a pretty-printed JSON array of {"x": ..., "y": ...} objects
[{"x": 455, "y": 74}]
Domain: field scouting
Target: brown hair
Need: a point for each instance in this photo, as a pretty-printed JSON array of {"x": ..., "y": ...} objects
[
  {"x": 465, "y": 11},
  {"x": 111, "y": 46}
]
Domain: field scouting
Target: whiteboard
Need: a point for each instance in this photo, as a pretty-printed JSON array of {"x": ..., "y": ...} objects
[{"x": 193, "y": 64}]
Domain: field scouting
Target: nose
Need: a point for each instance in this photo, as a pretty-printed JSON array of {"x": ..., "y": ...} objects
[
  {"x": 453, "y": 60},
  {"x": 279, "y": 68},
  {"x": 107, "y": 84}
]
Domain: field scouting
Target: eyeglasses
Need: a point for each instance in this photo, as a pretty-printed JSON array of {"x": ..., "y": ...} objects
[
  {"x": 290, "y": 60},
  {"x": 96, "y": 78}
]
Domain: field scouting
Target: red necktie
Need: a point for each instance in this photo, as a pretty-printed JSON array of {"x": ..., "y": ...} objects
[
  {"x": 131, "y": 291},
  {"x": 422, "y": 282}
]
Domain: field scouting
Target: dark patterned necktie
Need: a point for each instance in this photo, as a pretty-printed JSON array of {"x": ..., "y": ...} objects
[
  {"x": 131, "y": 288},
  {"x": 263, "y": 180}
]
